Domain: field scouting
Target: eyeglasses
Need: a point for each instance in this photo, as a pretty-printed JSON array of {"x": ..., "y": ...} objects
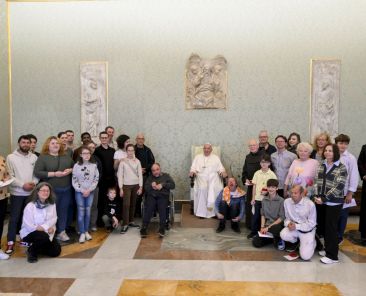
[{"x": 44, "y": 190}]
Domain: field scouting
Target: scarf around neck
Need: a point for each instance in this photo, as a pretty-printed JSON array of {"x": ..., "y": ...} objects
[
  {"x": 40, "y": 205},
  {"x": 227, "y": 194}
]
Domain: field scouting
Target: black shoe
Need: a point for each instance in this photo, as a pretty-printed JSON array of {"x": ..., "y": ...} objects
[
  {"x": 236, "y": 229},
  {"x": 109, "y": 229},
  {"x": 291, "y": 247},
  {"x": 162, "y": 232},
  {"x": 143, "y": 232},
  {"x": 221, "y": 228},
  {"x": 133, "y": 224},
  {"x": 124, "y": 229},
  {"x": 251, "y": 235},
  {"x": 31, "y": 258},
  {"x": 167, "y": 226}
]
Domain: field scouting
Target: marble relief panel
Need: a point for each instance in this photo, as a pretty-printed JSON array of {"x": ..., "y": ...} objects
[
  {"x": 325, "y": 95},
  {"x": 93, "y": 81},
  {"x": 206, "y": 83}
]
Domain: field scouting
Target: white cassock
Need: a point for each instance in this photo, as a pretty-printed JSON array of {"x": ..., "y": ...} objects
[{"x": 207, "y": 185}]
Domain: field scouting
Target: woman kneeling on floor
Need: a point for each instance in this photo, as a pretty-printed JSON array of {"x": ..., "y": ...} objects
[{"x": 39, "y": 223}]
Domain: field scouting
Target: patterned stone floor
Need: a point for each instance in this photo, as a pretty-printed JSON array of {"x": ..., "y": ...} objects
[
  {"x": 167, "y": 288},
  {"x": 188, "y": 261}
]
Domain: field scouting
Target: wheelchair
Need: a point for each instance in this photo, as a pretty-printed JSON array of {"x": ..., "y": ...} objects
[{"x": 170, "y": 210}]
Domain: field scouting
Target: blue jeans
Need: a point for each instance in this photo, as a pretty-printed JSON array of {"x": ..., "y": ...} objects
[
  {"x": 63, "y": 199},
  {"x": 84, "y": 207},
  {"x": 17, "y": 204}
]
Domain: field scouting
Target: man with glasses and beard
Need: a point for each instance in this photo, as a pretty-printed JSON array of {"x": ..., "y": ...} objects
[{"x": 20, "y": 165}]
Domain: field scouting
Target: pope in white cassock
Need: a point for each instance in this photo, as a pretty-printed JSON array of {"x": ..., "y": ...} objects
[{"x": 208, "y": 170}]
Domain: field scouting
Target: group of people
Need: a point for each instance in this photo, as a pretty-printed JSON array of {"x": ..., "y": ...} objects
[
  {"x": 296, "y": 194},
  {"x": 46, "y": 189}
]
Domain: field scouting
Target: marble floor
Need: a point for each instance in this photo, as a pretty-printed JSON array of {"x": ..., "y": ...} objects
[{"x": 188, "y": 261}]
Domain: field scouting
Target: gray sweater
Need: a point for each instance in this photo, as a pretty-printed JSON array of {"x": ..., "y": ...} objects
[
  {"x": 85, "y": 176},
  {"x": 48, "y": 163}
]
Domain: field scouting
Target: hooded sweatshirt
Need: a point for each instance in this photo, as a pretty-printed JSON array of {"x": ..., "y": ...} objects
[{"x": 20, "y": 167}]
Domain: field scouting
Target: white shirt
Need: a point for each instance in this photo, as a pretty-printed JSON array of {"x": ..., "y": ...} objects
[
  {"x": 120, "y": 154},
  {"x": 33, "y": 217},
  {"x": 303, "y": 214},
  {"x": 351, "y": 165}
]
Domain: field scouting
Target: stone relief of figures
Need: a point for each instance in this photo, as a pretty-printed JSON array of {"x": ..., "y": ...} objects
[
  {"x": 93, "y": 77},
  {"x": 325, "y": 94},
  {"x": 206, "y": 83}
]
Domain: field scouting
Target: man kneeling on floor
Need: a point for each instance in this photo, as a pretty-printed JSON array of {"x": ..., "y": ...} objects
[
  {"x": 272, "y": 217},
  {"x": 230, "y": 205},
  {"x": 300, "y": 222},
  {"x": 157, "y": 190}
]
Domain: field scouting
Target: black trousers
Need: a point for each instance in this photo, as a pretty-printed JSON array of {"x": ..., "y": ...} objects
[
  {"x": 280, "y": 192},
  {"x": 332, "y": 214},
  {"x": 3, "y": 205},
  {"x": 248, "y": 208},
  {"x": 259, "y": 242},
  {"x": 320, "y": 219},
  {"x": 362, "y": 225},
  {"x": 41, "y": 244},
  {"x": 153, "y": 202},
  {"x": 229, "y": 212}
]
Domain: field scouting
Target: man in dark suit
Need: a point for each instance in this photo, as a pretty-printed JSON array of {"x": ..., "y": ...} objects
[{"x": 362, "y": 169}]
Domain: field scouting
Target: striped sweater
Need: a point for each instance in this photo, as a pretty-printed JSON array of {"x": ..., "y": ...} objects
[{"x": 335, "y": 179}]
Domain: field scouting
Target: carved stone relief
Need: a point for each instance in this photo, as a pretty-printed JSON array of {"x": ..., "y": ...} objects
[
  {"x": 325, "y": 94},
  {"x": 93, "y": 80},
  {"x": 206, "y": 83}
]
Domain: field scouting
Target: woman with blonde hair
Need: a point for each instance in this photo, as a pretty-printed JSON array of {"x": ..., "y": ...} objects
[
  {"x": 320, "y": 141},
  {"x": 303, "y": 170},
  {"x": 55, "y": 167}
]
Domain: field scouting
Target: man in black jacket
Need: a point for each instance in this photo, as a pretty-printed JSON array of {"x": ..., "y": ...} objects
[
  {"x": 362, "y": 170},
  {"x": 264, "y": 144},
  {"x": 146, "y": 157},
  {"x": 251, "y": 165},
  {"x": 157, "y": 190}
]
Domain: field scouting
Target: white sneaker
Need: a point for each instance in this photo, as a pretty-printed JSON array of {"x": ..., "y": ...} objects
[
  {"x": 82, "y": 238},
  {"x": 88, "y": 236},
  {"x": 327, "y": 260},
  {"x": 94, "y": 229},
  {"x": 3, "y": 256},
  {"x": 62, "y": 236},
  {"x": 322, "y": 253}
]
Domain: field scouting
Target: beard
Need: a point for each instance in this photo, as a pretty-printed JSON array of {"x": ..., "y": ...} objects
[{"x": 24, "y": 149}]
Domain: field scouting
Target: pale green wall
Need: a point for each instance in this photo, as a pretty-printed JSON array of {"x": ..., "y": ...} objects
[
  {"x": 4, "y": 83},
  {"x": 268, "y": 45}
]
